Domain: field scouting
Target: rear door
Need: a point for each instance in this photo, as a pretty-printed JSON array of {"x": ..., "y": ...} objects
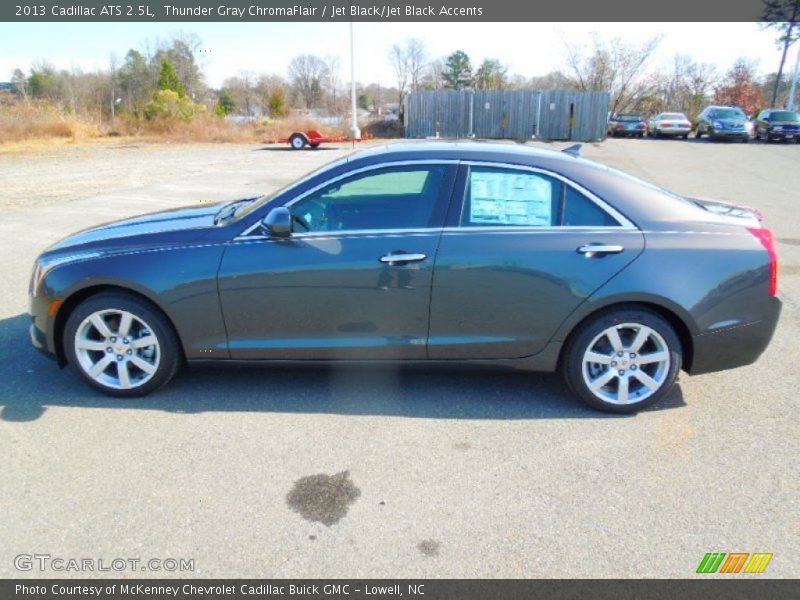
[{"x": 522, "y": 251}]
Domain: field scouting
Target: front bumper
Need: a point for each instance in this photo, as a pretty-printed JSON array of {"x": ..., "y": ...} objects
[
  {"x": 730, "y": 134},
  {"x": 790, "y": 135},
  {"x": 42, "y": 324},
  {"x": 735, "y": 346}
]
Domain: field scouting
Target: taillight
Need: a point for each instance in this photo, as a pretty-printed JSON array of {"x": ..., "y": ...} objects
[
  {"x": 767, "y": 240},
  {"x": 642, "y": 126},
  {"x": 620, "y": 126}
]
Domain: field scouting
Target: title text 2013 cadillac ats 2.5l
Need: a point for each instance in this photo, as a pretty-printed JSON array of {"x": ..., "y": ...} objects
[{"x": 430, "y": 252}]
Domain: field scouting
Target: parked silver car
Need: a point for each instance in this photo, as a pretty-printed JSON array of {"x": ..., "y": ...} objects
[{"x": 669, "y": 124}]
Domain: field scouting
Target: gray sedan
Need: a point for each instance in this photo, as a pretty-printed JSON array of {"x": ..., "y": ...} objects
[{"x": 441, "y": 253}]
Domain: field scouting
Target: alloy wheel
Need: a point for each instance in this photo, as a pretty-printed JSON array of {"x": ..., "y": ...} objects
[
  {"x": 626, "y": 363},
  {"x": 117, "y": 349}
]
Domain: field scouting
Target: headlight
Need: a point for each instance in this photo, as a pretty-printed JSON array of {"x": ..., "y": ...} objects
[
  {"x": 777, "y": 128},
  {"x": 717, "y": 124},
  {"x": 44, "y": 265}
]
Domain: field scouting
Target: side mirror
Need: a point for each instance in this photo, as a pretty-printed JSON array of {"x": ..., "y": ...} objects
[{"x": 278, "y": 222}]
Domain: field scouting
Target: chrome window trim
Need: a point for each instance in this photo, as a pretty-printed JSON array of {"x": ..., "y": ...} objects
[
  {"x": 374, "y": 167},
  {"x": 623, "y": 221}
]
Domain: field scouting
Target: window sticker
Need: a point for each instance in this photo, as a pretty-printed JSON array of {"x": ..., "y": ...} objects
[{"x": 510, "y": 199}]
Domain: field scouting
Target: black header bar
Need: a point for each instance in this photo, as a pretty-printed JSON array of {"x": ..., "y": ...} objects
[{"x": 445, "y": 11}]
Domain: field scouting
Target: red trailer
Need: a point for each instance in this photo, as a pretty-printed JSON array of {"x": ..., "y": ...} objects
[{"x": 299, "y": 140}]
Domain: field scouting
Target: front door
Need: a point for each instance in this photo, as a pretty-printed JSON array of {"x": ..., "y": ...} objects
[{"x": 353, "y": 281}]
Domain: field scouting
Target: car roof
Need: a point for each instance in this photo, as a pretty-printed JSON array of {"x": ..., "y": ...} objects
[
  {"x": 464, "y": 150},
  {"x": 641, "y": 202}
]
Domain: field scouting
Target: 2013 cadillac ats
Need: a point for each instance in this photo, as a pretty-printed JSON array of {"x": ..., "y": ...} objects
[{"x": 429, "y": 252}]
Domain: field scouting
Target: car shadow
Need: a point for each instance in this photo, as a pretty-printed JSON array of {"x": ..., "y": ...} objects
[
  {"x": 277, "y": 147},
  {"x": 31, "y": 383}
]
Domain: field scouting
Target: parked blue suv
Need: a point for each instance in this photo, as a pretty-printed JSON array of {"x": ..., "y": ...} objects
[{"x": 723, "y": 122}]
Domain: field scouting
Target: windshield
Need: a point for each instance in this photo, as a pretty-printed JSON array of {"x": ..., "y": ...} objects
[
  {"x": 728, "y": 113},
  {"x": 253, "y": 206},
  {"x": 784, "y": 115}
]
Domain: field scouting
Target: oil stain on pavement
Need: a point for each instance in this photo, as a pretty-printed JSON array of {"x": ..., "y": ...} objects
[
  {"x": 429, "y": 547},
  {"x": 323, "y": 498}
]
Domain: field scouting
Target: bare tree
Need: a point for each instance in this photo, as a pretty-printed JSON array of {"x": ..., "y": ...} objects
[
  {"x": 112, "y": 78},
  {"x": 417, "y": 58},
  {"x": 307, "y": 74},
  {"x": 20, "y": 83},
  {"x": 242, "y": 89},
  {"x": 433, "y": 78},
  {"x": 332, "y": 81},
  {"x": 267, "y": 88},
  {"x": 613, "y": 66},
  {"x": 398, "y": 57}
]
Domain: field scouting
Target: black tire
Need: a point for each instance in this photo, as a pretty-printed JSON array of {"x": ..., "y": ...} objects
[
  {"x": 746, "y": 139},
  {"x": 585, "y": 338},
  {"x": 170, "y": 356},
  {"x": 297, "y": 141},
  {"x": 697, "y": 134},
  {"x": 711, "y": 134},
  {"x": 685, "y": 136}
]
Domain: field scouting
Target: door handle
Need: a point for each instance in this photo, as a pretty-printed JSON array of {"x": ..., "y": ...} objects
[
  {"x": 592, "y": 249},
  {"x": 393, "y": 259}
]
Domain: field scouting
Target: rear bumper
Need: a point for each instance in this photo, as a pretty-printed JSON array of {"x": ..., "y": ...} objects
[
  {"x": 673, "y": 131},
  {"x": 737, "y": 346}
]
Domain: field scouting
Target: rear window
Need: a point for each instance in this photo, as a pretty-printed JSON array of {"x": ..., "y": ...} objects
[
  {"x": 784, "y": 115},
  {"x": 674, "y": 116},
  {"x": 628, "y": 119}
]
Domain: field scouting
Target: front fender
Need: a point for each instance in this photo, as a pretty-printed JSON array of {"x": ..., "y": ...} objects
[{"x": 181, "y": 281}]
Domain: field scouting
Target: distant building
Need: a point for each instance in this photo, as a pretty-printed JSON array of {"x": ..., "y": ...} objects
[{"x": 7, "y": 86}]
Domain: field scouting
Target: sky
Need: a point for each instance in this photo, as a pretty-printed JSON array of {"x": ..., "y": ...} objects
[{"x": 530, "y": 49}]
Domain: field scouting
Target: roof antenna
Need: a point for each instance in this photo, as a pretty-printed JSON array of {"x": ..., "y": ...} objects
[{"x": 574, "y": 150}]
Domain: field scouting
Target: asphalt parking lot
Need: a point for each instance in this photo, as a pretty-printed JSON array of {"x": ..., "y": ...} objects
[{"x": 448, "y": 473}]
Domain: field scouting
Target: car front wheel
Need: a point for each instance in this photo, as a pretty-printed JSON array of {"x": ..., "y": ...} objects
[
  {"x": 623, "y": 360},
  {"x": 121, "y": 345}
]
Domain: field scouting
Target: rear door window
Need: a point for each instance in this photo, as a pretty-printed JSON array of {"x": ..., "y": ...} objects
[{"x": 499, "y": 197}]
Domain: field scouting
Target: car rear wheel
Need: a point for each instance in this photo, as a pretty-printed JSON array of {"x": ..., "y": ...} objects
[
  {"x": 623, "y": 360},
  {"x": 121, "y": 345}
]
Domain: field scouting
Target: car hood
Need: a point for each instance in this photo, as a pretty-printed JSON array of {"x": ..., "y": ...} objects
[
  {"x": 729, "y": 122},
  {"x": 170, "y": 225}
]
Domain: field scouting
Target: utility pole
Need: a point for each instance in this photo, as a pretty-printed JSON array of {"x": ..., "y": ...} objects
[
  {"x": 355, "y": 132},
  {"x": 793, "y": 90}
]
